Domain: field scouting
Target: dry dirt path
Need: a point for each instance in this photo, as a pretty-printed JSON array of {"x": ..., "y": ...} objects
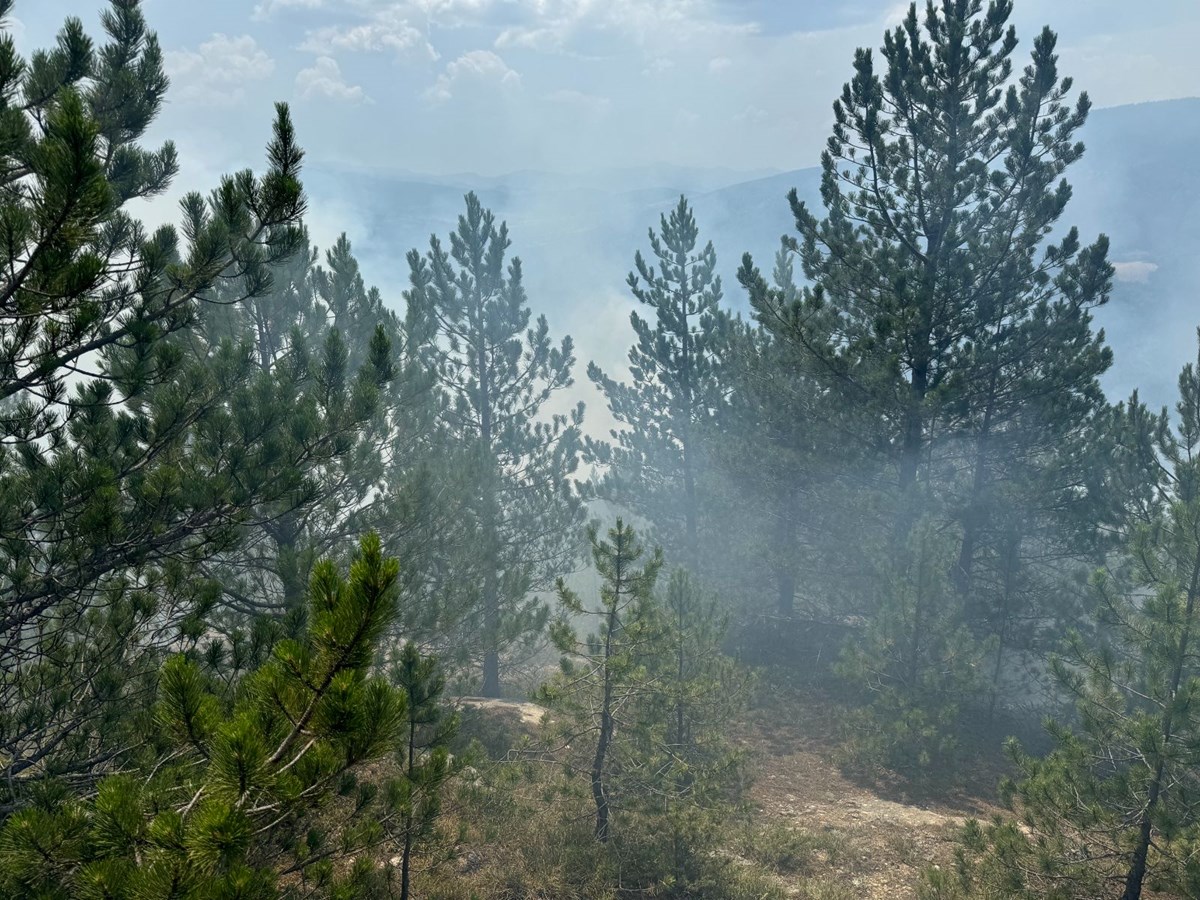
[{"x": 880, "y": 844}]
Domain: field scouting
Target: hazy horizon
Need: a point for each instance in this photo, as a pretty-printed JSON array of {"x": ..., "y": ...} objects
[{"x": 444, "y": 87}]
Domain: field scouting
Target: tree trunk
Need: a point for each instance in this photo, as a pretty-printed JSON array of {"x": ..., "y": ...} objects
[
  {"x": 785, "y": 578},
  {"x": 910, "y": 457},
  {"x": 1141, "y": 851},
  {"x": 963, "y": 575},
  {"x": 1011, "y": 559},
  {"x": 406, "y": 859},
  {"x": 599, "y": 789},
  {"x": 491, "y": 674},
  {"x": 599, "y": 793},
  {"x": 491, "y": 612},
  {"x": 491, "y": 575},
  {"x": 1137, "y": 867}
]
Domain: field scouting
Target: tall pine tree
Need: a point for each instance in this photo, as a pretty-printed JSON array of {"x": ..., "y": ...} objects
[
  {"x": 948, "y": 301},
  {"x": 1112, "y": 810},
  {"x": 498, "y": 375},
  {"x": 655, "y": 466},
  {"x": 117, "y": 451}
]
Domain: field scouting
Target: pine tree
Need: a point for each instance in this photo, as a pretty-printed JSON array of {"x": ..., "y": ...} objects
[
  {"x": 681, "y": 725},
  {"x": 916, "y": 663},
  {"x": 644, "y": 707},
  {"x": 656, "y": 464},
  {"x": 426, "y": 762},
  {"x": 941, "y": 182},
  {"x": 498, "y": 374},
  {"x": 603, "y": 673},
  {"x": 323, "y": 344},
  {"x": 121, "y": 462},
  {"x": 941, "y": 304},
  {"x": 793, "y": 499},
  {"x": 1113, "y": 807},
  {"x": 242, "y": 790}
]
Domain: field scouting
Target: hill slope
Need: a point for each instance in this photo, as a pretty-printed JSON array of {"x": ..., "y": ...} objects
[{"x": 577, "y": 233}]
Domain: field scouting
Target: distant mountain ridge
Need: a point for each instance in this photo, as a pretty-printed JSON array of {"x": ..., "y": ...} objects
[{"x": 577, "y": 233}]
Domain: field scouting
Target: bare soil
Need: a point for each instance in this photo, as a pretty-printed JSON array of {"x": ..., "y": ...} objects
[{"x": 885, "y": 829}]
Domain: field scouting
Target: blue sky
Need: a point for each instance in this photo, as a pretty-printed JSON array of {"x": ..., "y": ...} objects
[
  {"x": 490, "y": 86},
  {"x": 494, "y": 86}
]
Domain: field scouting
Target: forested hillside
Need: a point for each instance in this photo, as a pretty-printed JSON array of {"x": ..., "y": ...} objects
[{"x": 851, "y": 562}]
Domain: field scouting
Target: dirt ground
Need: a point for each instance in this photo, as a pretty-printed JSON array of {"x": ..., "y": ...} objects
[
  {"x": 860, "y": 838},
  {"x": 884, "y": 835}
]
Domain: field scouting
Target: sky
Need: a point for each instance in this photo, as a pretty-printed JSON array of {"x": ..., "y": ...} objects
[
  {"x": 446, "y": 87},
  {"x": 495, "y": 86}
]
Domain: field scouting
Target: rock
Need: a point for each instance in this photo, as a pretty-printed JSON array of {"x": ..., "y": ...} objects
[{"x": 470, "y": 862}]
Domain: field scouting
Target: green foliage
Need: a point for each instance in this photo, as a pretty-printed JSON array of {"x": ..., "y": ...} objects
[
  {"x": 426, "y": 761},
  {"x": 236, "y": 800},
  {"x": 644, "y": 705},
  {"x": 114, "y": 483},
  {"x": 799, "y": 512},
  {"x": 1112, "y": 808},
  {"x": 948, "y": 312},
  {"x": 656, "y": 464},
  {"x": 786, "y": 850},
  {"x": 604, "y": 672},
  {"x": 496, "y": 374},
  {"x": 916, "y": 664},
  {"x": 197, "y": 423},
  {"x": 323, "y": 345},
  {"x": 686, "y": 777}
]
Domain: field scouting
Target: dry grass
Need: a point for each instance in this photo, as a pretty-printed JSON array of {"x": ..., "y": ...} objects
[{"x": 813, "y": 832}]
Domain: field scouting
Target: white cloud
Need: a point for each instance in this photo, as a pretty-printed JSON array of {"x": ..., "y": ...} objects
[
  {"x": 453, "y": 13},
  {"x": 324, "y": 79},
  {"x": 719, "y": 64},
  {"x": 557, "y": 23},
  {"x": 388, "y": 30},
  {"x": 477, "y": 66},
  {"x": 217, "y": 72},
  {"x": 266, "y": 8},
  {"x": 526, "y": 38},
  {"x": 897, "y": 13},
  {"x": 1138, "y": 272}
]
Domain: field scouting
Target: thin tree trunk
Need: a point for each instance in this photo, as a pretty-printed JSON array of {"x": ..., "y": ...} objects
[
  {"x": 691, "y": 513},
  {"x": 491, "y": 629},
  {"x": 963, "y": 575},
  {"x": 1141, "y": 851},
  {"x": 682, "y": 781},
  {"x": 785, "y": 578},
  {"x": 405, "y": 862},
  {"x": 599, "y": 793},
  {"x": 599, "y": 788},
  {"x": 910, "y": 457},
  {"x": 1012, "y": 557},
  {"x": 491, "y": 576}
]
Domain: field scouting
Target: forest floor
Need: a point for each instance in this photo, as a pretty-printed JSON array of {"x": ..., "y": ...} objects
[
  {"x": 813, "y": 827},
  {"x": 867, "y": 837}
]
